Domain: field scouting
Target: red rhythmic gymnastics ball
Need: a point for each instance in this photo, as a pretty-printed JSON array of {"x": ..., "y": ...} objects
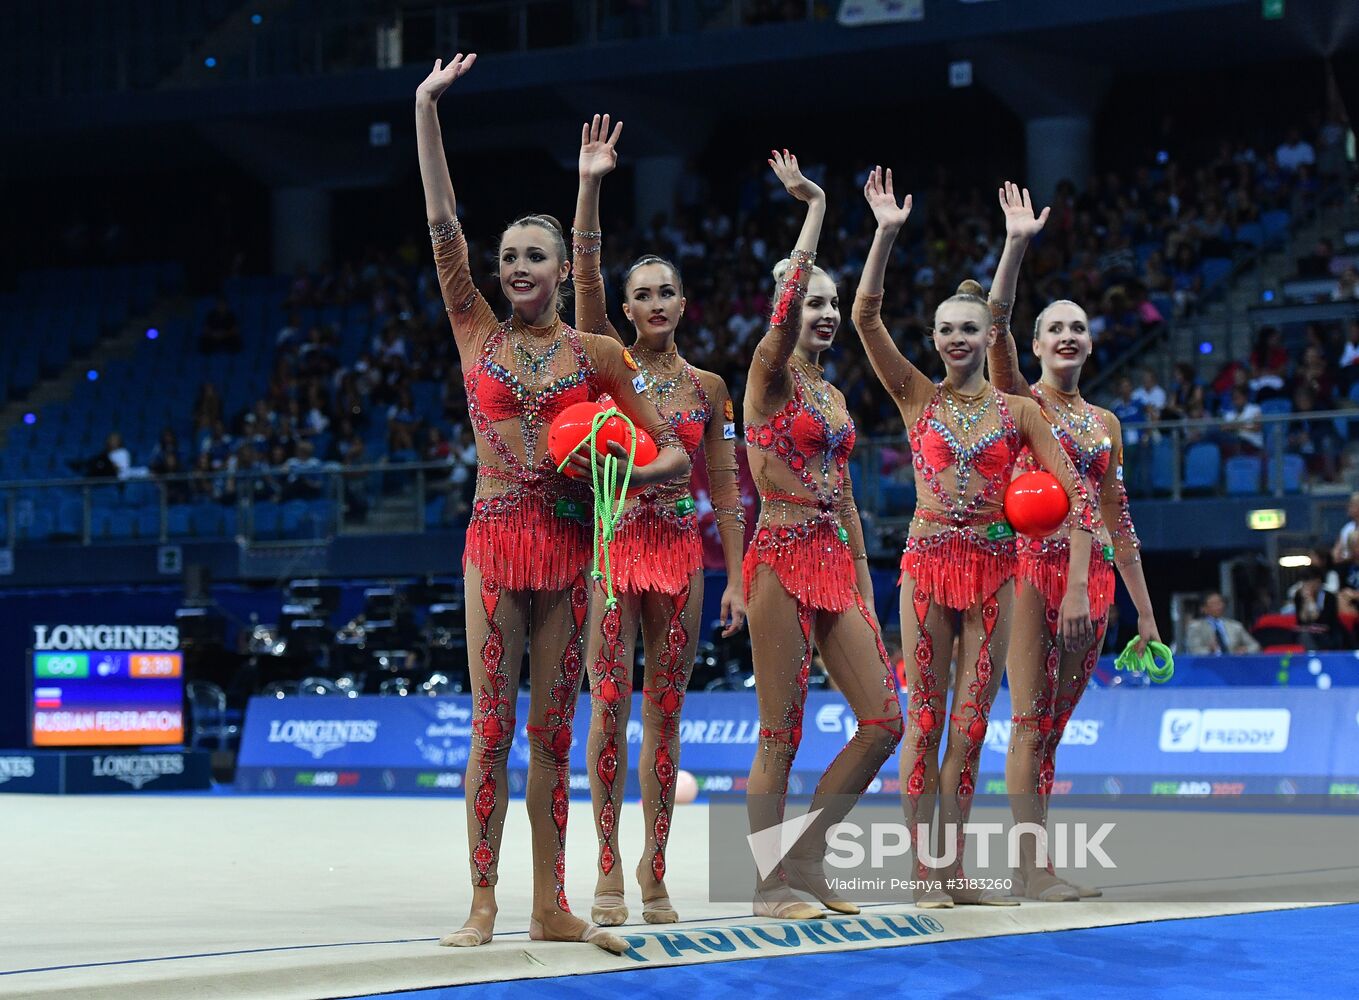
[
  {"x": 646, "y": 451},
  {"x": 646, "y": 448},
  {"x": 615, "y": 429},
  {"x": 568, "y": 432},
  {"x": 1036, "y": 505}
]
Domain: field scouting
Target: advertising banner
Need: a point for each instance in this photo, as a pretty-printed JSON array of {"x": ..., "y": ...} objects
[
  {"x": 56, "y": 772},
  {"x": 1212, "y": 741}
]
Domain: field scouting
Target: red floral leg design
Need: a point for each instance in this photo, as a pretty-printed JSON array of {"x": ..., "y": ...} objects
[
  {"x": 1045, "y": 710},
  {"x": 1033, "y": 662},
  {"x": 667, "y": 694},
  {"x": 790, "y": 732},
  {"x": 925, "y": 706},
  {"x": 1066, "y": 698},
  {"x": 970, "y": 719},
  {"x": 554, "y": 736},
  {"x": 857, "y": 663},
  {"x": 893, "y": 722},
  {"x": 611, "y": 685},
  {"x": 492, "y": 731},
  {"x": 779, "y": 622}
]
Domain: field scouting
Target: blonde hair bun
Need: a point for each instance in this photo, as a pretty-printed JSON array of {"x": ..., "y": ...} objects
[{"x": 971, "y": 287}]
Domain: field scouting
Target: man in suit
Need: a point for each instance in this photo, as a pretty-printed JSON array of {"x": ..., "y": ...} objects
[{"x": 1213, "y": 635}]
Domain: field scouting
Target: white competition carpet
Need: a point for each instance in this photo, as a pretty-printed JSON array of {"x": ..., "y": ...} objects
[{"x": 159, "y": 897}]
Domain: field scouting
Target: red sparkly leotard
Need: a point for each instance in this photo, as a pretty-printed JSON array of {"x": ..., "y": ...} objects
[
  {"x": 530, "y": 525},
  {"x": 1093, "y": 440},
  {"x": 964, "y": 451},
  {"x": 657, "y": 546},
  {"x": 799, "y": 437}
]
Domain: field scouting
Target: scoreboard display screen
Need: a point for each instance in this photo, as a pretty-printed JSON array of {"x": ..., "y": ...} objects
[{"x": 107, "y": 698}]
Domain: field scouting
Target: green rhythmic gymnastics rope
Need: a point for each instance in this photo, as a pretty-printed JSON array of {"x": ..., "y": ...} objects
[
  {"x": 1147, "y": 663},
  {"x": 610, "y": 498}
]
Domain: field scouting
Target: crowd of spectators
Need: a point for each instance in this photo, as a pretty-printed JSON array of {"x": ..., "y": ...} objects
[
  {"x": 1128, "y": 245},
  {"x": 1314, "y": 369},
  {"x": 318, "y": 414}
]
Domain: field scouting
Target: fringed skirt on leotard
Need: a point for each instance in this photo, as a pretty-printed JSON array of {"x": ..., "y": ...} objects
[
  {"x": 1043, "y": 564},
  {"x": 656, "y": 548},
  {"x": 960, "y": 566},
  {"x": 529, "y": 541},
  {"x": 811, "y": 560}
]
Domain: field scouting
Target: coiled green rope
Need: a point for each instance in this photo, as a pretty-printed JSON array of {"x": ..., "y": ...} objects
[
  {"x": 610, "y": 498},
  {"x": 1146, "y": 662}
]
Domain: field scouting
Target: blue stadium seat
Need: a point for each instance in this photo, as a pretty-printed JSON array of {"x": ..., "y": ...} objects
[
  {"x": 179, "y": 520},
  {"x": 207, "y": 520},
  {"x": 1162, "y": 467},
  {"x": 266, "y": 519},
  {"x": 148, "y": 523},
  {"x": 140, "y": 493},
  {"x": 427, "y": 399},
  {"x": 321, "y": 516},
  {"x": 294, "y": 513},
  {"x": 106, "y": 496},
  {"x": 1242, "y": 475},
  {"x": 897, "y": 498},
  {"x": 1202, "y": 467},
  {"x": 1251, "y": 234},
  {"x": 434, "y": 511},
  {"x": 122, "y": 524},
  {"x": 37, "y": 527},
  {"x": 1215, "y": 271},
  {"x": 1275, "y": 225},
  {"x": 70, "y": 520},
  {"x": 1294, "y": 469},
  {"x": 101, "y": 522}
]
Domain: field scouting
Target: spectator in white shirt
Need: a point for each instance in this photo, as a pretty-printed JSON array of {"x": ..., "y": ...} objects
[
  {"x": 1294, "y": 151},
  {"x": 742, "y": 326},
  {"x": 1347, "y": 287},
  {"x": 1343, "y": 550},
  {"x": 118, "y": 455},
  {"x": 1240, "y": 415},
  {"x": 1149, "y": 393},
  {"x": 1350, "y": 355}
]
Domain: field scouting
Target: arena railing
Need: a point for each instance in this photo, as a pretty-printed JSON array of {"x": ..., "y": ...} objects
[
  {"x": 1276, "y": 454},
  {"x": 255, "y": 506},
  {"x": 1271, "y": 455}
]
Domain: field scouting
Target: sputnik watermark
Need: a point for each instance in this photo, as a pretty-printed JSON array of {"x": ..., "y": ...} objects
[
  {"x": 850, "y": 845},
  {"x": 770, "y": 846}
]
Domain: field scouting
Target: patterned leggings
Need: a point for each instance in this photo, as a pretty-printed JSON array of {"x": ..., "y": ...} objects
[
  {"x": 499, "y": 624},
  {"x": 782, "y": 631},
  {"x": 669, "y": 625},
  {"x": 1046, "y": 682},
  {"x": 928, "y": 631}
]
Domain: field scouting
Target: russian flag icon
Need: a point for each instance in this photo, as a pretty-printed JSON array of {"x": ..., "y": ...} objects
[{"x": 47, "y": 697}]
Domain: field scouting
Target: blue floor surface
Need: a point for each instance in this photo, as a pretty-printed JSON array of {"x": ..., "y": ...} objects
[{"x": 1298, "y": 953}]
